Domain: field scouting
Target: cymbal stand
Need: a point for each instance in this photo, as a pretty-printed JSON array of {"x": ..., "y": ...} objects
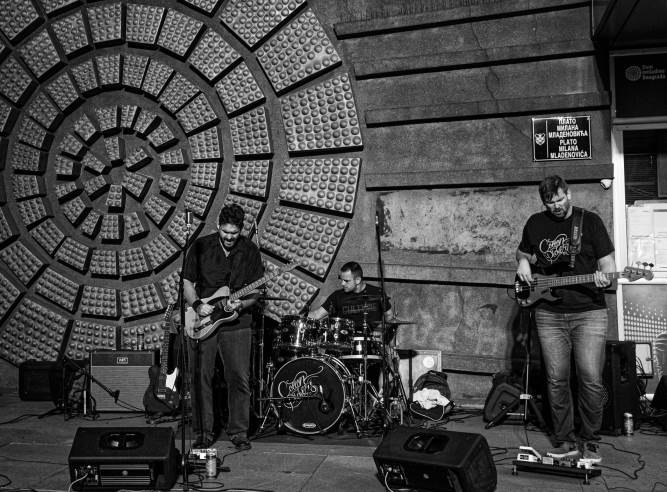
[{"x": 396, "y": 380}]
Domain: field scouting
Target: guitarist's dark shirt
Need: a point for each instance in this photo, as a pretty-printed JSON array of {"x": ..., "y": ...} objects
[
  {"x": 549, "y": 239},
  {"x": 209, "y": 269}
]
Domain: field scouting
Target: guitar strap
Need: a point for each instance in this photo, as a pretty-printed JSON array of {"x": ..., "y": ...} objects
[{"x": 576, "y": 233}]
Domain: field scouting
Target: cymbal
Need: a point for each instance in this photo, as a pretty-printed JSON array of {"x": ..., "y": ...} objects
[
  {"x": 366, "y": 297},
  {"x": 393, "y": 321}
]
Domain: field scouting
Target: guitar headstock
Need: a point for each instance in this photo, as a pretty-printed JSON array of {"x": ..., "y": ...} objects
[
  {"x": 288, "y": 267},
  {"x": 642, "y": 270}
]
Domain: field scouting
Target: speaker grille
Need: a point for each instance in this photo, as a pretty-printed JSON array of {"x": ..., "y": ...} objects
[{"x": 123, "y": 371}]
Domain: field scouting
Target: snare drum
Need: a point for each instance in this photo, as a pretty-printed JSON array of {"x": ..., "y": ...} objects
[
  {"x": 336, "y": 334},
  {"x": 297, "y": 334},
  {"x": 373, "y": 349}
]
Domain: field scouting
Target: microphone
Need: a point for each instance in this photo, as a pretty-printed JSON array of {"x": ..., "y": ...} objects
[
  {"x": 324, "y": 406},
  {"x": 188, "y": 217},
  {"x": 115, "y": 395}
]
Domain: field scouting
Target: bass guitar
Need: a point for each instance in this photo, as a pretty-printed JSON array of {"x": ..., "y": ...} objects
[
  {"x": 540, "y": 288},
  {"x": 161, "y": 396},
  {"x": 199, "y": 328}
]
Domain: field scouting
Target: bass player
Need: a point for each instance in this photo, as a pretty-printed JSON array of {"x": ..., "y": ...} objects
[
  {"x": 222, "y": 259},
  {"x": 567, "y": 240}
]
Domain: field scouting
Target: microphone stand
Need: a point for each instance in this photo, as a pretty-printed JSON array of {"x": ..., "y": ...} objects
[
  {"x": 383, "y": 350},
  {"x": 185, "y": 379},
  {"x": 260, "y": 339}
]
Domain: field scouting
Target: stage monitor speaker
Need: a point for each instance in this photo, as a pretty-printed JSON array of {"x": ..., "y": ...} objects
[
  {"x": 500, "y": 397},
  {"x": 431, "y": 460},
  {"x": 113, "y": 458},
  {"x": 122, "y": 371},
  {"x": 660, "y": 396},
  {"x": 414, "y": 363},
  {"x": 621, "y": 389},
  {"x": 39, "y": 380}
]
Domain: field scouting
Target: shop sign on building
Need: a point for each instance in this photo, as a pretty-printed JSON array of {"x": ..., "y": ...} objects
[
  {"x": 640, "y": 85},
  {"x": 561, "y": 138}
]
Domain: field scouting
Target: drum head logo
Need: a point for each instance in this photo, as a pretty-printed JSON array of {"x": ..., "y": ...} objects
[
  {"x": 633, "y": 73},
  {"x": 540, "y": 138},
  {"x": 301, "y": 387}
]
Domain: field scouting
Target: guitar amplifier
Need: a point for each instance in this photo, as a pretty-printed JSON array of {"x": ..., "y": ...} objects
[{"x": 124, "y": 373}]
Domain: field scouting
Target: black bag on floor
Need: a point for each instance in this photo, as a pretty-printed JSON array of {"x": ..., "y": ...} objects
[{"x": 434, "y": 380}]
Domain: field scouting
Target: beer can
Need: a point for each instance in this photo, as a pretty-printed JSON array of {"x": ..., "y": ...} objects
[
  {"x": 211, "y": 463},
  {"x": 628, "y": 424}
]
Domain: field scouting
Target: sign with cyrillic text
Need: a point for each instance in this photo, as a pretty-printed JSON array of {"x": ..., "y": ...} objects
[{"x": 561, "y": 138}]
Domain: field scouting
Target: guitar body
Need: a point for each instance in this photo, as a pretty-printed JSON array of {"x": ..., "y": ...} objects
[
  {"x": 201, "y": 328},
  {"x": 527, "y": 295},
  {"x": 152, "y": 403},
  {"x": 162, "y": 397}
]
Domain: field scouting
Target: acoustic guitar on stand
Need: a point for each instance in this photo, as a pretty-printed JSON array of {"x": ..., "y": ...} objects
[
  {"x": 199, "y": 328},
  {"x": 527, "y": 294}
]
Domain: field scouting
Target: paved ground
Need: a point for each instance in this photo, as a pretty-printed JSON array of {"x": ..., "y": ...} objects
[{"x": 34, "y": 455}]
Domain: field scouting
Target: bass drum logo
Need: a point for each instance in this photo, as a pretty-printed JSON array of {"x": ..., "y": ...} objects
[{"x": 633, "y": 73}]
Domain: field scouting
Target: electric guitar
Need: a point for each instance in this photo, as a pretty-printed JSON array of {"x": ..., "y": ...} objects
[
  {"x": 540, "y": 288},
  {"x": 162, "y": 396},
  {"x": 200, "y": 328}
]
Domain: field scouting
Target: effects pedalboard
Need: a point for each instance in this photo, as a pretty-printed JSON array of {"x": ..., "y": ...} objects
[{"x": 531, "y": 460}]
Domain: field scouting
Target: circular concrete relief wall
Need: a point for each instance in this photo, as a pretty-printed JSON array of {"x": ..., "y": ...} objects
[{"x": 120, "y": 120}]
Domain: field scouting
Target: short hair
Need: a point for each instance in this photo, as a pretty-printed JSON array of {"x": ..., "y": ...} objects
[
  {"x": 354, "y": 268},
  {"x": 231, "y": 214},
  {"x": 550, "y": 186}
]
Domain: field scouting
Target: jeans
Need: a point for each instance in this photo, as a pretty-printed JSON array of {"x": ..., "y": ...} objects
[
  {"x": 583, "y": 335},
  {"x": 234, "y": 347}
]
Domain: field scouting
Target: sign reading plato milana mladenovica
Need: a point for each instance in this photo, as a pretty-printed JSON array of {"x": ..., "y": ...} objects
[{"x": 561, "y": 138}]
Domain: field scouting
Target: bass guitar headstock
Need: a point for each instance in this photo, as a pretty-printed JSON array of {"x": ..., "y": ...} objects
[{"x": 642, "y": 270}]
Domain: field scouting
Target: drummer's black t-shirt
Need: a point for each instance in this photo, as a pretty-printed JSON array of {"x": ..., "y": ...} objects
[{"x": 351, "y": 305}]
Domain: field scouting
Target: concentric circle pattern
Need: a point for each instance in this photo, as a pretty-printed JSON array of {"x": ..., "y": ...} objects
[{"x": 112, "y": 122}]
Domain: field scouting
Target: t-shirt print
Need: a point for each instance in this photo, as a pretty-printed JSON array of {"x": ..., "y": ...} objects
[{"x": 553, "y": 249}]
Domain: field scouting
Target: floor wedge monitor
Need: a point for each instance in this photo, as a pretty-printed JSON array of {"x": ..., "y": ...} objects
[{"x": 435, "y": 460}]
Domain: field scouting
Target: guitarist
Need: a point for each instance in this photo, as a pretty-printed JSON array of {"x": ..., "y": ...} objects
[
  {"x": 224, "y": 258},
  {"x": 570, "y": 241}
]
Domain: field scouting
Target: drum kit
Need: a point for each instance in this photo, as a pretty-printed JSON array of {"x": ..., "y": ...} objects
[{"x": 321, "y": 377}]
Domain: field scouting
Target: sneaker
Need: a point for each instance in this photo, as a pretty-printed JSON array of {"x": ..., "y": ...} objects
[
  {"x": 564, "y": 450},
  {"x": 240, "y": 442},
  {"x": 590, "y": 453}
]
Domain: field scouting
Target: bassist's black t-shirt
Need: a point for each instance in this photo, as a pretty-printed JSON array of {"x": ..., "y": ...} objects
[{"x": 549, "y": 240}]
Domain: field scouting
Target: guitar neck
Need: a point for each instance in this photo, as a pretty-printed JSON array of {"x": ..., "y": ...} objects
[
  {"x": 575, "y": 279},
  {"x": 164, "y": 351},
  {"x": 250, "y": 287}
]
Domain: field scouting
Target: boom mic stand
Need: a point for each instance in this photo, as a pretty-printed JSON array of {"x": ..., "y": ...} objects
[
  {"x": 383, "y": 350},
  {"x": 185, "y": 379},
  {"x": 525, "y": 396}
]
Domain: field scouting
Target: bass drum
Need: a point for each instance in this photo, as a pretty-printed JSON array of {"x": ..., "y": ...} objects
[{"x": 319, "y": 387}]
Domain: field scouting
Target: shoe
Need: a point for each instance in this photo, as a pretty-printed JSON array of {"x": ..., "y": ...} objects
[
  {"x": 564, "y": 450},
  {"x": 241, "y": 442},
  {"x": 199, "y": 443},
  {"x": 203, "y": 443},
  {"x": 590, "y": 453}
]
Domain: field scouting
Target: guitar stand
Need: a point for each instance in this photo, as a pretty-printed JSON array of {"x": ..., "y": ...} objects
[{"x": 525, "y": 396}]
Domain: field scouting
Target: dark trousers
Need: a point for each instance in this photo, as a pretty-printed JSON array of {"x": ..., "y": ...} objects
[{"x": 233, "y": 343}]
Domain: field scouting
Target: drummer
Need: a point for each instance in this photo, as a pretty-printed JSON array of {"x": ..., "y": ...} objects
[{"x": 355, "y": 298}]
